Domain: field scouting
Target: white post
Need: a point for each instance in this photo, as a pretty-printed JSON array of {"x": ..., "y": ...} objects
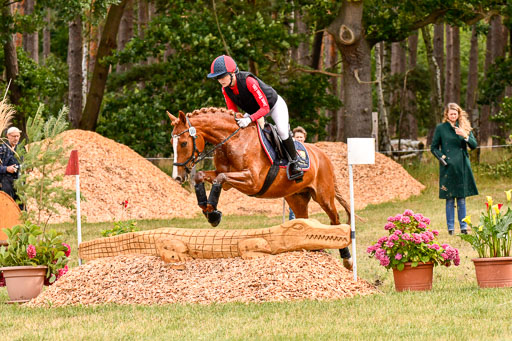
[
  {"x": 352, "y": 221},
  {"x": 361, "y": 151},
  {"x": 78, "y": 219}
]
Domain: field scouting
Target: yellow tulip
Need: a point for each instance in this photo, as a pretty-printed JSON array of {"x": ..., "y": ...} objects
[
  {"x": 489, "y": 200},
  {"x": 509, "y": 194},
  {"x": 480, "y": 228},
  {"x": 496, "y": 209},
  {"x": 467, "y": 220}
]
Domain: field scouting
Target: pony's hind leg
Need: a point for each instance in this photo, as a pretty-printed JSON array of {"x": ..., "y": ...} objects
[
  {"x": 329, "y": 207},
  {"x": 299, "y": 204}
]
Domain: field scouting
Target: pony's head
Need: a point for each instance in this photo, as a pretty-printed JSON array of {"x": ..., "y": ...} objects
[{"x": 187, "y": 143}]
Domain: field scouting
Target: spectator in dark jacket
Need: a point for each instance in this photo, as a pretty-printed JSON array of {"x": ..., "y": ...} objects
[
  {"x": 9, "y": 164},
  {"x": 450, "y": 145}
]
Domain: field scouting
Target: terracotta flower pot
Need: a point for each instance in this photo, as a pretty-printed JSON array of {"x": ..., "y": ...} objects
[
  {"x": 415, "y": 279},
  {"x": 24, "y": 282},
  {"x": 493, "y": 272}
]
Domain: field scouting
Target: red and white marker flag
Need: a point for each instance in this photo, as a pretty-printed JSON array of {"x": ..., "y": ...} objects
[{"x": 73, "y": 169}]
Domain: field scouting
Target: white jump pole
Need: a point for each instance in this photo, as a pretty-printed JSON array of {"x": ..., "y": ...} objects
[
  {"x": 78, "y": 217},
  {"x": 352, "y": 221},
  {"x": 361, "y": 151},
  {"x": 73, "y": 169}
]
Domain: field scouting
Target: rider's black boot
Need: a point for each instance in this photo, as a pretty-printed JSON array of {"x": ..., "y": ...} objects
[{"x": 294, "y": 171}]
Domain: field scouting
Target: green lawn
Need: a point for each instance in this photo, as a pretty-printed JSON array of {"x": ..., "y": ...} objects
[{"x": 455, "y": 308}]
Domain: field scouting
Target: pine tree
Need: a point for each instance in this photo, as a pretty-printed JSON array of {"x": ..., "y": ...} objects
[{"x": 43, "y": 159}]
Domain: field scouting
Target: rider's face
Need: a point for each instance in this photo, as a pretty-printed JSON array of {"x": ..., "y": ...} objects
[{"x": 226, "y": 80}]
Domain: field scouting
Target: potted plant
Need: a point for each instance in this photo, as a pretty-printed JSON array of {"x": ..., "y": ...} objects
[
  {"x": 32, "y": 257},
  {"x": 411, "y": 249},
  {"x": 492, "y": 240}
]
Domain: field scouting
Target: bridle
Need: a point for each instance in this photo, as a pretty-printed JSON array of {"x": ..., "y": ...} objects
[{"x": 200, "y": 155}]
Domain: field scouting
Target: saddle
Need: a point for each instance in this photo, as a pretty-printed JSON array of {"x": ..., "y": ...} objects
[
  {"x": 274, "y": 148},
  {"x": 273, "y": 137},
  {"x": 275, "y": 151}
]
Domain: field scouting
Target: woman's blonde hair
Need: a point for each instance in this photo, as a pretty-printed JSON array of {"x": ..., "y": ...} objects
[{"x": 464, "y": 123}]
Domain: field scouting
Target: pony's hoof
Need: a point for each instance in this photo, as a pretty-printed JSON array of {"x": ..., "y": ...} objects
[
  {"x": 214, "y": 217},
  {"x": 348, "y": 263}
]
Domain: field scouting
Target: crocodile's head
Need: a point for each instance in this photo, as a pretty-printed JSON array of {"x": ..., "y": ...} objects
[{"x": 309, "y": 234}]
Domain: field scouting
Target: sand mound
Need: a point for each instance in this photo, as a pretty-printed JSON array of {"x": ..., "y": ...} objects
[
  {"x": 384, "y": 181},
  {"x": 111, "y": 173},
  {"x": 135, "y": 279}
]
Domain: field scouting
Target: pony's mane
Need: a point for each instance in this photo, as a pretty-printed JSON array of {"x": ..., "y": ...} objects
[{"x": 211, "y": 110}]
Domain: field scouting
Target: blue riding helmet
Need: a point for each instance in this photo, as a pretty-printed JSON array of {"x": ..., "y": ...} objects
[{"x": 222, "y": 65}]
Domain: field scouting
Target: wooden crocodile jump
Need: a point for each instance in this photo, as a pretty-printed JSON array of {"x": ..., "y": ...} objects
[
  {"x": 9, "y": 215},
  {"x": 177, "y": 244}
]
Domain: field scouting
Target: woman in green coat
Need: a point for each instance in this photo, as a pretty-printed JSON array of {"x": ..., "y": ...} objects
[{"x": 450, "y": 145}]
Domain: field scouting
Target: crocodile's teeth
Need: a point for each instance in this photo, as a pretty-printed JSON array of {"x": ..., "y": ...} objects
[{"x": 323, "y": 237}]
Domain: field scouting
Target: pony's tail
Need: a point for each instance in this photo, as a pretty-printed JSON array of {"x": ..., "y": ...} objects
[{"x": 343, "y": 202}]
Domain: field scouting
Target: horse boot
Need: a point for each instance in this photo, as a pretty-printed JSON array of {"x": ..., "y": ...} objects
[
  {"x": 201, "y": 197},
  {"x": 347, "y": 258},
  {"x": 215, "y": 216},
  {"x": 293, "y": 171}
]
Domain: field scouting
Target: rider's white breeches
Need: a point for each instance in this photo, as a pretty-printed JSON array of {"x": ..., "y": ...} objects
[{"x": 279, "y": 114}]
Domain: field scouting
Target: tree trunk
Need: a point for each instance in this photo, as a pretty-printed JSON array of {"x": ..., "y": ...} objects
[
  {"x": 439, "y": 49},
  {"x": 384, "y": 142},
  {"x": 125, "y": 32},
  {"x": 448, "y": 73},
  {"x": 472, "y": 77},
  {"x": 410, "y": 98},
  {"x": 356, "y": 55},
  {"x": 499, "y": 42},
  {"x": 11, "y": 66},
  {"x": 398, "y": 58},
  {"x": 142, "y": 14},
  {"x": 31, "y": 40},
  {"x": 455, "y": 92},
  {"x": 485, "y": 127},
  {"x": 91, "y": 112},
  {"x": 46, "y": 37},
  {"x": 435, "y": 83},
  {"x": 331, "y": 59},
  {"x": 300, "y": 54},
  {"x": 75, "y": 55}
]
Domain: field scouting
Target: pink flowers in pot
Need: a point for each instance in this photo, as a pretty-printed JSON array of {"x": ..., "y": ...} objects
[{"x": 411, "y": 240}]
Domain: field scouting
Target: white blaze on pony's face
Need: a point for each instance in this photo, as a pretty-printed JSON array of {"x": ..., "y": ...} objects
[{"x": 180, "y": 146}]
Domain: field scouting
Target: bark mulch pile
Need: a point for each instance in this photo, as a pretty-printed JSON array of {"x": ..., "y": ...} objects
[
  {"x": 386, "y": 180},
  {"x": 111, "y": 173},
  {"x": 136, "y": 279}
]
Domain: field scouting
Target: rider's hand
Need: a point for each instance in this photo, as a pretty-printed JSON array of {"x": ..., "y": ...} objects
[{"x": 243, "y": 122}]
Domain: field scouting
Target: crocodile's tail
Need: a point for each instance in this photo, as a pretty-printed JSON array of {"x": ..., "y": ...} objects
[{"x": 128, "y": 243}]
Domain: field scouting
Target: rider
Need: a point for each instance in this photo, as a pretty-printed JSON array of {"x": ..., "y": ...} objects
[{"x": 245, "y": 90}]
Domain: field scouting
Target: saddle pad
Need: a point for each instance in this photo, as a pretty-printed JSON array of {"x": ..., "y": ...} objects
[{"x": 272, "y": 155}]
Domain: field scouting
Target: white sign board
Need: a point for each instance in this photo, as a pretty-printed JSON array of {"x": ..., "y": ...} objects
[{"x": 361, "y": 151}]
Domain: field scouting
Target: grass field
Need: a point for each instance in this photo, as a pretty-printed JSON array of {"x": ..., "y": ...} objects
[{"x": 455, "y": 308}]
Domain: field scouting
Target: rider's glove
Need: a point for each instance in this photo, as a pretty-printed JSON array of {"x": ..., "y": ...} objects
[
  {"x": 247, "y": 115},
  {"x": 243, "y": 122}
]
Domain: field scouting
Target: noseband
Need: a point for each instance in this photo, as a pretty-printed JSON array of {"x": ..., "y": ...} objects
[{"x": 201, "y": 155}]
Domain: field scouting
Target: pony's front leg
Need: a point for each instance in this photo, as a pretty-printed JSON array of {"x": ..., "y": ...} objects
[{"x": 208, "y": 205}]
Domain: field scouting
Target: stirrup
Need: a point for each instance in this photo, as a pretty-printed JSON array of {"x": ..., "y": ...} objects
[{"x": 296, "y": 176}]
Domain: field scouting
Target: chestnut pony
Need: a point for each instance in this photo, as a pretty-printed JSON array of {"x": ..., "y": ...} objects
[{"x": 241, "y": 163}]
